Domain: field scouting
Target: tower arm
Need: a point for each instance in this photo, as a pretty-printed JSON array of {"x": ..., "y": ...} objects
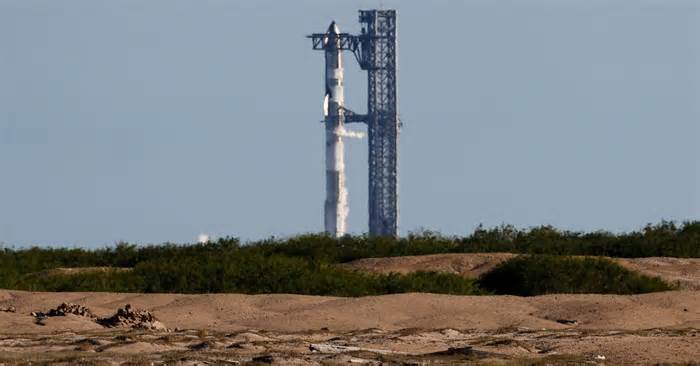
[
  {"x": 348, "y": 42},
  {"x": 352, "y": 117}
]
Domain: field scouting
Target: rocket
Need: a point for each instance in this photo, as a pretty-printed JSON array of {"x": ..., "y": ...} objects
[
  {"x": 336, "y": 203},
  {"x": 375, "y": 51}
]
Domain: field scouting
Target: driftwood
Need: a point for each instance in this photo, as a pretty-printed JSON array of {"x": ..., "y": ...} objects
[{"x": 332, "y": 348}]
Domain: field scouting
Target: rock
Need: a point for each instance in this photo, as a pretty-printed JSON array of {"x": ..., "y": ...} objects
[
  {"x": 66, "y": 308},
  {"x": 567, "y": 321},
  {"x": 130, "y": 318},
  {"x": 8, "y": 309},
  {"x": 452, "y": 351},
  {"x": 88, "y": 341},
  {"x": 200, "y": 346},
  {"x": 451, "y": 332},
  {"x": 331, "y": 348},
  {"x": 264, "y": 359}
]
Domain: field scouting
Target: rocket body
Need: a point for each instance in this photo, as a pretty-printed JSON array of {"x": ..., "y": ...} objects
[{"x": 336, "y": 205}]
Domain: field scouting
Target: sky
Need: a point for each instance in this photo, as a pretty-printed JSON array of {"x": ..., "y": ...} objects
[{"x": 157, "y": 121}]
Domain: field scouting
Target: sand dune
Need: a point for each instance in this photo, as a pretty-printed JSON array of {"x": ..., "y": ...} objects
[
  {"x": 649, "y": 327},
  {"x": 412, "y": 328},
  {"x": 685, "y": 272},
  {"x": 294, "y": 313},
  {"x": 470, "y": 265}
]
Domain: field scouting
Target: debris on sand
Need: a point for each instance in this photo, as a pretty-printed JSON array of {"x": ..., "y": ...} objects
[
  {"x": 340, "y": 359},
  {"x": 567, "y": 321},
  {"x": 125, "y": 317},
  {"x": 454, "y": 351},
  {"x": 334, "y": 348},
  {"x": 462, "y": 352},
  {"x": 66, "y": 308},
  {"x": 132, "y": 318},
  {"x": 8, "y": 309},
  {"x": 201, "y": 346},
  {"x": 331, "y": 348},
  {"x": 264, "y": 359}
]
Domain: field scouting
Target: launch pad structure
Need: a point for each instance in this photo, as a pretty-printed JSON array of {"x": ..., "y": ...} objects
[{"x": 375, "y": 49}]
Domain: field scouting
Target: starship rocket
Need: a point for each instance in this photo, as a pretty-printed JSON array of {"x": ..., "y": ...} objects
[{"x": 336, "y": 203}]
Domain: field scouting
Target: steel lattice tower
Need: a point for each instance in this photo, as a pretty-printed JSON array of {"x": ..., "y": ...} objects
[
  {"x": 382, "y": 121},
  {"x": 375, "y": 50}
]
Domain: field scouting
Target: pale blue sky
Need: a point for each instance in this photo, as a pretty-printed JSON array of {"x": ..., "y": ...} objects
[{"x": 153, "y": 121}]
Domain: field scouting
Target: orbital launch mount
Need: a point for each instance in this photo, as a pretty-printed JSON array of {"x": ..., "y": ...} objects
[{"x": 375, "y": 51}]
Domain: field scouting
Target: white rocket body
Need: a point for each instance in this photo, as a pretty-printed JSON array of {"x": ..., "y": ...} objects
[{"x": 336, "y": 204}]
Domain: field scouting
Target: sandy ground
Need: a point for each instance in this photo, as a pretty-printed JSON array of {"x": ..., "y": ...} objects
[
  {"x": 684, "y": 272},
  {"x": 410, "y": 329},
  {"x": 403, "y": 328}
]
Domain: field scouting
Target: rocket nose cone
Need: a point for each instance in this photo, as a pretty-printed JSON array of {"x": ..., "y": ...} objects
[{"x": 333, "y": 28}]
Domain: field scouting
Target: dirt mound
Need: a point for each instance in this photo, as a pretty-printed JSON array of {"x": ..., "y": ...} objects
[
  {"x": 127, "y": 317},
  {"x": 470, "y": 265},
  {"x": 683, "y": 272},
  {"x": 295, "y": 313}
]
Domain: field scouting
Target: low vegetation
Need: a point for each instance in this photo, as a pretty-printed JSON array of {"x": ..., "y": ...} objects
[
  {"x": 665, "y": 239},
  {"x": 530, "y": 275},
  {"x": 236, "y": 270},
  {"x": 305, "y": 264},
  {"x": 310, "y": 282}
]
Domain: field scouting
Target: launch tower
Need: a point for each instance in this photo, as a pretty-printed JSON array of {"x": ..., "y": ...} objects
[{"x": 375, "y": 50}]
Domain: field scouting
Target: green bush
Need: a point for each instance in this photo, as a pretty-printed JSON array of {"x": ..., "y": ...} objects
[
  {"x": 530, "y": 275},
  {"x": 256, "y": 274},
  {"x": 107, "y": 281},
  {"x": 217, "y": 267},
  {"x": 665, "y": 239},
  {"x": 306, "y": 264},
  {"x": 431, "y": 282},
  {"x": 281, "y": 275}
]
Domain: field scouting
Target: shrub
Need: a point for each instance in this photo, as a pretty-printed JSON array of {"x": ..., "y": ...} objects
[
  {"x": 432, "y": 282},
  {"x": 305, "y": 263},
  {"x": 530, "y": 275},
  {"x": 103, "y": 281}
]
